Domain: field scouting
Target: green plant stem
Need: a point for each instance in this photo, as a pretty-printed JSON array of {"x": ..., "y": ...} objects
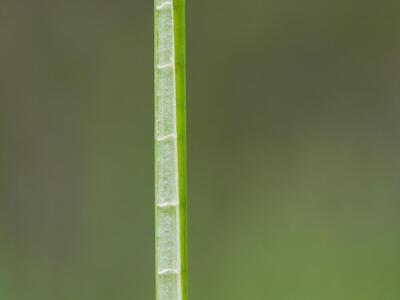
[{"x": 170, "y": 150}]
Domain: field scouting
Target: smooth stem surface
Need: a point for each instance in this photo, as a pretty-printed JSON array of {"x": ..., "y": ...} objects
[{"x": 170, "y": 150}]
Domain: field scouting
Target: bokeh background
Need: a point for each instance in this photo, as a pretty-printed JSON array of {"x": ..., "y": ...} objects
[{"x": 293, "y": 149}]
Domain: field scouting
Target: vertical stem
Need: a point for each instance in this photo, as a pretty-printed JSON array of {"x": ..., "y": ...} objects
[{"x": 170, "y": 150}]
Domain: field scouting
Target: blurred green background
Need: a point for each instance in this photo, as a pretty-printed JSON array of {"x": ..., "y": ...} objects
[{"x": 293, "y": 150}]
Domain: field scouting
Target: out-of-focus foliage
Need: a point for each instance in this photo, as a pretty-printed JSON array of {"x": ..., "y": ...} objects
[{"x": 293, "y": 150}]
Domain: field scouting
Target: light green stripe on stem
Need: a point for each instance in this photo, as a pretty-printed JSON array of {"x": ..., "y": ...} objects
[{"x": 170, "y": 150}]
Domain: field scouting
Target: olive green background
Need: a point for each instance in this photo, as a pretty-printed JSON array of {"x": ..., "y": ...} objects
[{"x": 293, "y": 150}]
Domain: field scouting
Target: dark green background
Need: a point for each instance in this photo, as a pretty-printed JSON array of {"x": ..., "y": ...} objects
[{"x": 293, "y": 150}]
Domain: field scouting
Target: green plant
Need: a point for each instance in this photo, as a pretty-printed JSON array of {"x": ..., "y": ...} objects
[{"x": 170, "y": 150}]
